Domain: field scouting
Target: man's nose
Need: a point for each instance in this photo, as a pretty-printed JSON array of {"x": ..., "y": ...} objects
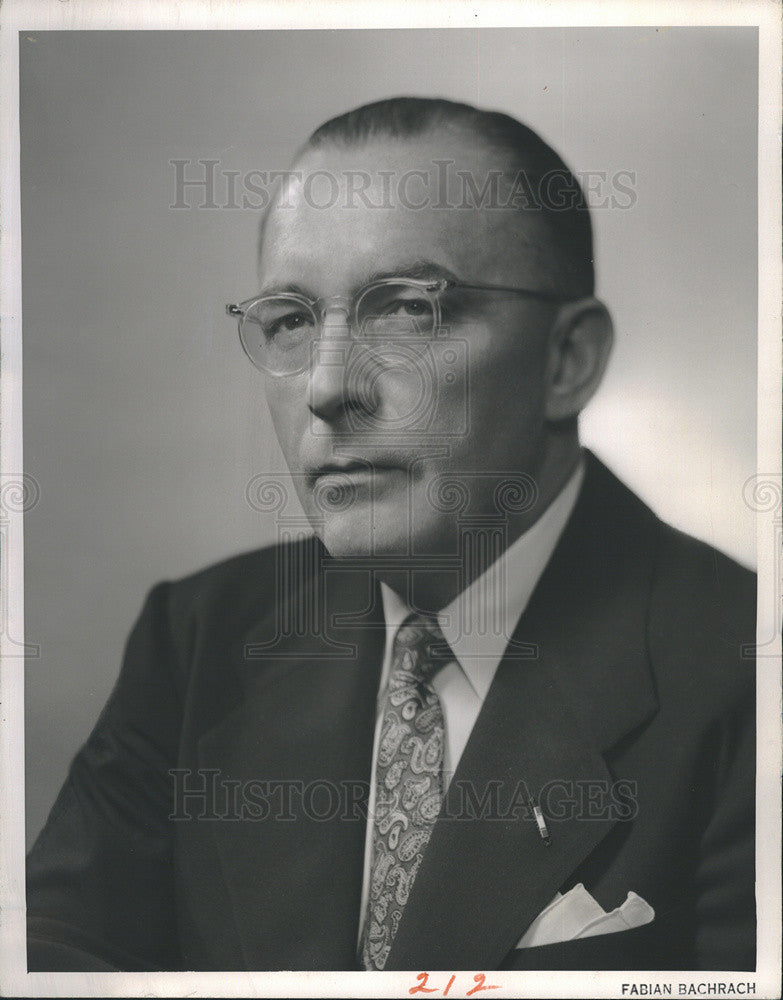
[{"x": 331, "y": 392}]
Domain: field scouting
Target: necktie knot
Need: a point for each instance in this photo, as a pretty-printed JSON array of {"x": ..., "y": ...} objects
[{"x": 420, "y": 648}]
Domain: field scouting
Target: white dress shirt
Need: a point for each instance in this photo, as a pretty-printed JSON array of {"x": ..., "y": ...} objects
[{"x": 477, "y": 625}]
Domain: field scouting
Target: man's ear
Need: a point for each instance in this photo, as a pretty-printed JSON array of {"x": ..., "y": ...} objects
[{"x": 580, "y": 342}]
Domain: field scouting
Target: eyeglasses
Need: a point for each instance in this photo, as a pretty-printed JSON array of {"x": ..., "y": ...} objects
[{"x": 278, "y": 331}]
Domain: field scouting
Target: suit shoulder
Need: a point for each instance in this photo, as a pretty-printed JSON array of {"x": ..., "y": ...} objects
[
  {"x": 686, "y": 573},
  {"x": 708, "y": 581},
  {"x": 702, "y": 619},
  {"x": 235, "y": 591},
  {"x": 228, "y": 572}
]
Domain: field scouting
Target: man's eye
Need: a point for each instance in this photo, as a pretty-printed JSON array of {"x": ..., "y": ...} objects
[
  {"x": 287, "y": 324},
  {"x": 408, "y": 307}
]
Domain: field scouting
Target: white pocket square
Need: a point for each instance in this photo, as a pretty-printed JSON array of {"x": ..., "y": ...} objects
[{"x": 578, "y": 915}]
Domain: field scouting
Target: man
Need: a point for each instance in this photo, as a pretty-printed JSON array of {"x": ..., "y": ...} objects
[{"x": 495, "y": 714}]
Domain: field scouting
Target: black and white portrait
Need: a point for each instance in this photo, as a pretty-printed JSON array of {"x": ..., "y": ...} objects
[{"x": 391, "y": 493}]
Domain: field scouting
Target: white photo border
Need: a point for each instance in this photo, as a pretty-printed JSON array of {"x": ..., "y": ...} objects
[{"x": 42, "y": 15}]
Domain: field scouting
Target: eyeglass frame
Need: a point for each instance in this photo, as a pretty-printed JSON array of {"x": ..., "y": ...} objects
[{"x": 433, "y": 289}]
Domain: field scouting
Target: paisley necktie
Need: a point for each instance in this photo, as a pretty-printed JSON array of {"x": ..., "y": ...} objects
[{"x": 408, "y": 780}]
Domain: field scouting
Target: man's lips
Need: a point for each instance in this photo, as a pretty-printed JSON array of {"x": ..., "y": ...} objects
[{"x": 352, "y": 469}]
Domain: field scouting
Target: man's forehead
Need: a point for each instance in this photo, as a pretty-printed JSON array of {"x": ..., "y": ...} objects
[
  {"x": 434, "y": 168},
  {"x": 442, "y": 195}
]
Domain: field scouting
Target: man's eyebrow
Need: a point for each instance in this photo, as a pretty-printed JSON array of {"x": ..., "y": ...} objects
[
  {"x": 416, "y": 269},
  {"x": 420, "y": 268},
  {"x": 290, "y": 286}
]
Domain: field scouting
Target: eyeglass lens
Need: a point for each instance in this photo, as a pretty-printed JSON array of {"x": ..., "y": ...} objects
[{"x": 278, "y": 330}]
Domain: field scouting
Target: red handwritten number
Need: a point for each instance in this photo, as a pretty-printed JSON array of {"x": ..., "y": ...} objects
[
  {"x": 423, "y": 977},
  {"x": 479, "y": 979},
  {"x": 448, "y": 986}
]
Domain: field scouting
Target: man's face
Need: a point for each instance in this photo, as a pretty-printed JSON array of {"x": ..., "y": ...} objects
[{"x": 373, "y": 433}]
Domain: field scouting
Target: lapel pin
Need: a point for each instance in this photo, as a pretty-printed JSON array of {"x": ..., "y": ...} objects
[{"x": 541, "y": 823}]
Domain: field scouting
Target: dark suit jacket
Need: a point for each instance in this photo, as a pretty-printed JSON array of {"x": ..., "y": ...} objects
[{"x": 625, "y": 706}]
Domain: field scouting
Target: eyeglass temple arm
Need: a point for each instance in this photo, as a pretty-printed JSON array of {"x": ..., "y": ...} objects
[{"x": 549, "y": 296}]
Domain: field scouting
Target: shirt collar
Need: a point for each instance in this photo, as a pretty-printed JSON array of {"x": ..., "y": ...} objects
[{"x": 479, "y": 622}]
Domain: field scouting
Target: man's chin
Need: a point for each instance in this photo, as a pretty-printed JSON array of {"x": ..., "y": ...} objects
[
  {"x": 354, "y": 537},
  {"x": 351, "y": 536}
]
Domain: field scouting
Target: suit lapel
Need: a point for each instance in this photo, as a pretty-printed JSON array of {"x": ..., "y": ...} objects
[
  {"x": 305, "y": 720},
  {"x": 543, "y": 729}
]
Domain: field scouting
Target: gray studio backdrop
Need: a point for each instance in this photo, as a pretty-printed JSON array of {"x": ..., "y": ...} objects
[{"x": 144, "y": 422}]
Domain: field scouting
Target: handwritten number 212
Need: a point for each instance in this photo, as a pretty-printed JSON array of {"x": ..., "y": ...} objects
[{"x": 423, "y": 978}]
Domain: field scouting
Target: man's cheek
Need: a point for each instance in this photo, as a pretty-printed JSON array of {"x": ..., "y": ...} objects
[{"x": 288, "y": 428}]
